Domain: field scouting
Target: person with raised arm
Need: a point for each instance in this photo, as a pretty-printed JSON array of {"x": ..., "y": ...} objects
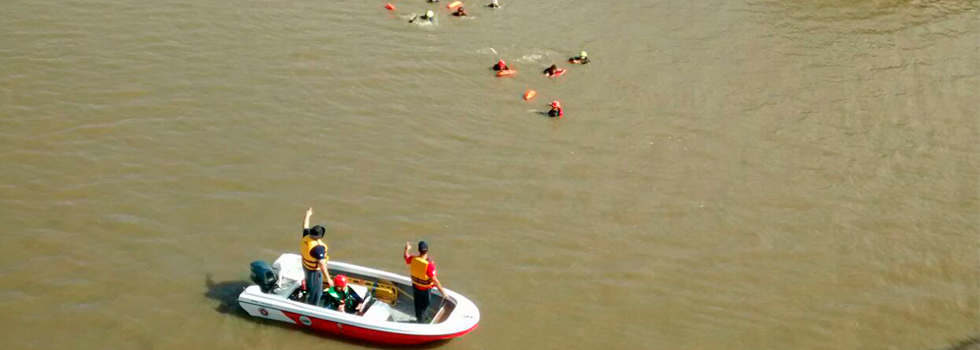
[
  {"x": 423, "y": 278},
  {"x": 314, "y": 253}
]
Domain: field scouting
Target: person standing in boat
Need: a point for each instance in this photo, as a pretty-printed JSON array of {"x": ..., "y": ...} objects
[
  {"x": 314, "y": 253},
  {"x": 423, "y": 278}
]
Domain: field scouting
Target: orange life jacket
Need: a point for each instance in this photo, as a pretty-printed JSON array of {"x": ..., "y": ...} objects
[
  {"x": 419, "y": 276},
  {"x": 308, "y": 243}
]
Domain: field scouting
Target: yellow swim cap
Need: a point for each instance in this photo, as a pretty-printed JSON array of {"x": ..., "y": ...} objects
[
  {"x": 583, "y": 54},
  {"x": 430, "y": 14}
]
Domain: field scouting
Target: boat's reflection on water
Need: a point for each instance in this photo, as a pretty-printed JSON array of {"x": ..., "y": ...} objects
[{"x": 226, "y": 293}]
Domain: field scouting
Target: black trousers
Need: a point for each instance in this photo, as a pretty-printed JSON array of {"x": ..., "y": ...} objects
[
  {"x": 314, "y": 286},
  {"x": 421, "y": 303}
]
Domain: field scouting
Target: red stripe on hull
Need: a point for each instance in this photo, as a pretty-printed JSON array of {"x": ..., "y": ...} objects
[{"x": 370, "y": 335}]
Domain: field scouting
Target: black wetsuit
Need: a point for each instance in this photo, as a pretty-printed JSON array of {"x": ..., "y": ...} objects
[
  {"x": 499, "y": 67},
  {"x": 579, "y": 60},
  {"x": 555, "y": 112}
]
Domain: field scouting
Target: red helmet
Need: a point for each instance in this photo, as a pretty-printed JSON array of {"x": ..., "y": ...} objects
[
  {"x": 340, "y": 281},
  {"x": 556, "y": 104}
]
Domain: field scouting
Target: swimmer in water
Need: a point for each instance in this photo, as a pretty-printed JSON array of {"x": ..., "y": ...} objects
[
  {"x": 494, "y": 4},
  {"x": 460, "y": 12},
  {"x": 556, "y": 110},
  {"x": 582, "y": 58},
  {"x": 553, "y": 70},
  {"x": 500, "y": 66},
  {"x": 428, "y": 16}
]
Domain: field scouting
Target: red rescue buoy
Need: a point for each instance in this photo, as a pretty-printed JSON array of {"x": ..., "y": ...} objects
[
  {"x": 390, "y": 6},
  {"x": 529, "y": 94},
  {"x": 505, "y": 73},
  {"x": 455, "y": 4}
]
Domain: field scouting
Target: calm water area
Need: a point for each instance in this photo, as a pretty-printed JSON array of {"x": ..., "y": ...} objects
[{"x": 743, "y": 174}]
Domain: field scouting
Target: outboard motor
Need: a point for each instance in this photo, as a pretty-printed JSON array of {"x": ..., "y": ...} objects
[{"x": 264, "y": 276}]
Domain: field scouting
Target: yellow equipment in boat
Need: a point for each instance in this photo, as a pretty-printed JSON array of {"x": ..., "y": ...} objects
[{"x": 385, "y": 292}]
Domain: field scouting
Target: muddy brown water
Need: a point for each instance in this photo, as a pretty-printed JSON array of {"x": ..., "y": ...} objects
[{"x": 750, "y": 174}]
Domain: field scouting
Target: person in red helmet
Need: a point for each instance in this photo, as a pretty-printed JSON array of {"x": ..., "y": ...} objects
[
  {"x": 556, "y": 110},
  {"x": 342, "y": 298},
  {"x": 500, "y": 66}
]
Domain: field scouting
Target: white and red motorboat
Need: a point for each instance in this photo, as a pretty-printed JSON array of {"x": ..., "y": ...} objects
[{"x": 388, "y": 316}]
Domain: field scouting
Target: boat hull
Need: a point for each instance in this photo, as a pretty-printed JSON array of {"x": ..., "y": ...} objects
[{"x": 352, "y": 331}]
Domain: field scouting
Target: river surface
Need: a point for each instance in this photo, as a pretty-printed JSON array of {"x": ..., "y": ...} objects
[{"x": 743, "y": 174}]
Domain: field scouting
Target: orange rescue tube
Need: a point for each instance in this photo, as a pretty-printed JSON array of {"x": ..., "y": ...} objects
[
  {"x": 529, "y": 94},
  {"x": 454, "y": 4},
  {"x": 389, "y": 6},
  {"x": 504, "y": 73}
]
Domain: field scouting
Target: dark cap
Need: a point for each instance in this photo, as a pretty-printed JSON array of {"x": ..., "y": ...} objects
[
  {"x": 423, "y": 247},
  {"x": 317, "y": 231}
]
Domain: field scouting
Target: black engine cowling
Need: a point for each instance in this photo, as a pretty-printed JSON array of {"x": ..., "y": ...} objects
[{"x": 264, "y": 276}]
